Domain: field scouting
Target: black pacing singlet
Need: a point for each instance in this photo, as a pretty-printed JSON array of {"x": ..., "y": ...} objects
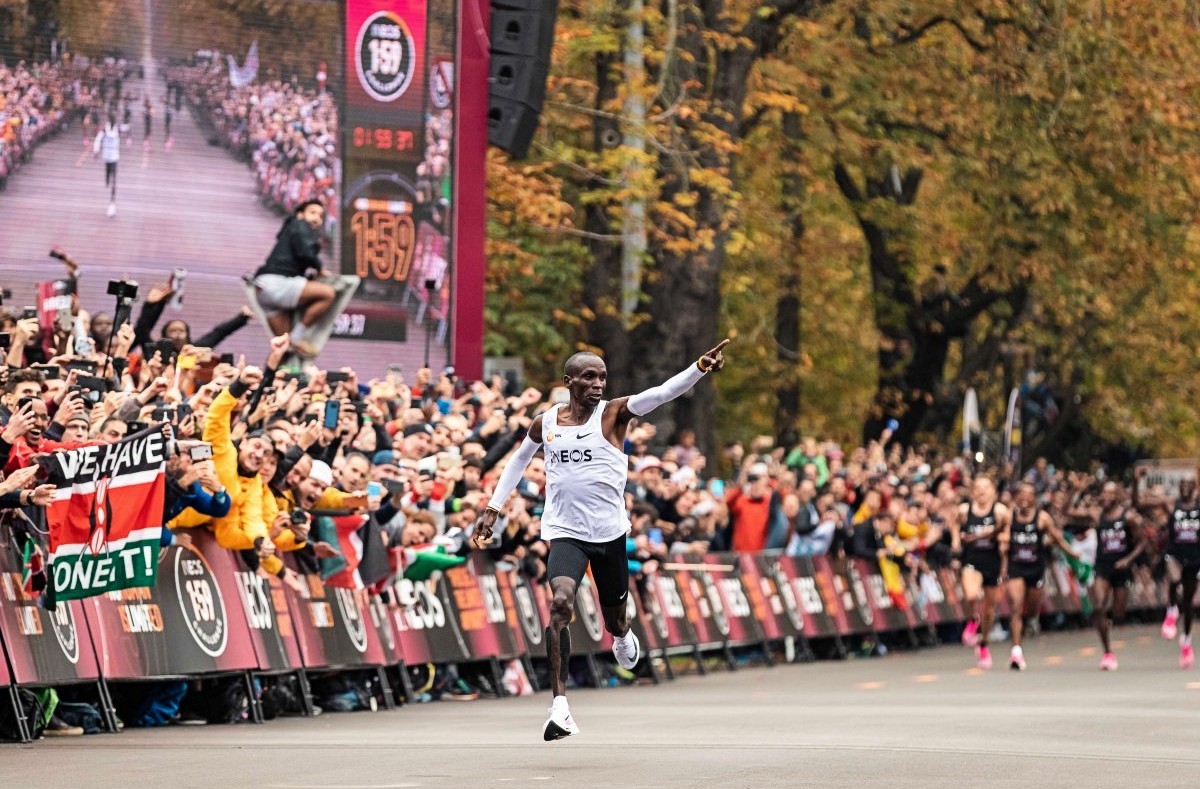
[
  {"x": 1183, "y": 532},
  {"x": 1027, "y": 547},
  {"x": 985, "y": 549},
  {"x": 1113, "y": 543}
]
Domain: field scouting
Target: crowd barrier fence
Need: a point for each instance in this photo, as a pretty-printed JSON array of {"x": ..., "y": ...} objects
[{"x": 209, "y": 615}]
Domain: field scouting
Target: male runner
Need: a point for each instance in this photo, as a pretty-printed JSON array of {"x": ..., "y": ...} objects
[
  {"x": 585, "y": 519},
  {"x": 1183, "y": 566},
  {"x": 1119, "y": 540},
  {"x": 980, "y": 536},
  {"x": 1027, "y": 562},
  {"x": 107, "y": 145}
]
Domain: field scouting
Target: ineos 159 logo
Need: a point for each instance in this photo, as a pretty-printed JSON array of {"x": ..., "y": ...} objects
[
  {"x": 200, "y": 602},
  {"x": 386, "y": 56},
  {"x": 62, "y": 622},
  {"x": 356, "y": 626},
  {"x": 531, "y": 620}
]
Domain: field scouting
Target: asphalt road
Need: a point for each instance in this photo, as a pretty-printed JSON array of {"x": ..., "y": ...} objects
[{"x": 924, "y": 719}]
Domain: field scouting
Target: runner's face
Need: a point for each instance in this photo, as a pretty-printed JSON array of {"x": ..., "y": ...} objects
[
  {"x": 1108, "y": 494},
  {"x": 587, "y": 385},
  {"x": 1187, "y": 488},
  {"x": 983, "y": 491},
  {"x": 1025, "y": 497}
]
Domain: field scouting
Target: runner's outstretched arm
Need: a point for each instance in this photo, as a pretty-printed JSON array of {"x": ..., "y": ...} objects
[
  {"x": 507, "y": 483},
  {"x": 644, "y": 402}
]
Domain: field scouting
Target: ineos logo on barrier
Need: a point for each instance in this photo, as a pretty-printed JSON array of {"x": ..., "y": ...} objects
[
  {"x": 62, "y": 621},
  {"x": 255, "y": 601},
  {"x": 386, "y": 56},
  {"x": 379, "y": 618},
  {"x": 201, "y": 602},
  {"x": 717, "y": 605},
  {"x": 356, "y": 626},
  {"x": 493, "y": 603},
  {"x": 589, "y": 614},
  {"x": 860, "y": 596},
  {"x": 654, "y": 609},
  {"x": 422, "y": 609},
  {"x": 527, "y": 612},
  {"x": 789, "y": 596}
]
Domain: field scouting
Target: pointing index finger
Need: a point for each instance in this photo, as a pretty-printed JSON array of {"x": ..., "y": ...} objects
[{"x": 721, "y": 345}]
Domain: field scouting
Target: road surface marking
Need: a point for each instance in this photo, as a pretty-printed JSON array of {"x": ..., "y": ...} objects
[
  {"x": 1087, "y": 652},
  {"x": 870, "y": 685},
  {"x": 925, "y": 678},
  {"x": 1118, "y": 644},
  {"x": 974, "y": 672}
]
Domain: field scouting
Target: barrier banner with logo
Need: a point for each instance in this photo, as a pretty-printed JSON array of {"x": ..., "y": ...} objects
[
  {"x": 665, "y": 613},
  {"x": 588, "y": 635},
  {"x": 263, "y": 603},
  {"x": 185, "y": 624},
  {"x": 45, "y": 647},
  {"x": 332, "y": 625},
  {"x": 478, "y": 615},
  {"x": 773, "y": 596},
  {"x": 532, "y": 614},
  {"x": 500, "y": 607},
  {"x": 823, "y": 596},
  {"x": 707, "y": 620},
  {"x": 426, "y": 622},
  {"x": 943, "y": 600},
  {"x": 887, "y": 613},
  {"x": 724, "y": 574},
  {"x": 513, "y": 642}
]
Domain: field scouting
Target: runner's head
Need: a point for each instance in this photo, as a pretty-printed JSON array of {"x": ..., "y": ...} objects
[
  {"x": 1187, "y": 489},
  {"x": 1110, "y": 494},
  {"x": 585, "y": 376},
  {"x": 1026, "y": 495},
  {"x": 312, "y": 212},
  {"x": 983, "y": 492}
]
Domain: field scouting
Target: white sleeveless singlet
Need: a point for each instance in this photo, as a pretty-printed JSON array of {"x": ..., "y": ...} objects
[{"x": 585, "y": 480}]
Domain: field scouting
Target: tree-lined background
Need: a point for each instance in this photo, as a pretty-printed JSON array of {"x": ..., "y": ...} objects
[{"x": 884, "y": 203}]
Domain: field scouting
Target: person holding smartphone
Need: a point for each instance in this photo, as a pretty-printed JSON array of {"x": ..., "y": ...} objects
[{"x": 585, "y": 519}]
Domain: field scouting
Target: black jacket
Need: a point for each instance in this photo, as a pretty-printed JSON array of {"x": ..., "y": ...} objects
[{"x": 296, "y": 251}]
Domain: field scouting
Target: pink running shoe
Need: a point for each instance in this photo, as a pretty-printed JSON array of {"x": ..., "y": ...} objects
[
  {"x": 1187, "y": 656},
  {"x": 1168, "y": 626},
  {"x": 985, "y": 659},
  {"x": 970, "y": 635},
  {"x": 1108, "y": 662}
]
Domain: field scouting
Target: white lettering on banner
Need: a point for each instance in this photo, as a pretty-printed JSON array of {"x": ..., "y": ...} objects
[
  {"x": 142, "y": 617},
  {"x": 200, "y": 601},
  {"x": 809, "y": 595},
  {"x": 932, "y": 589},
  {"x": 356, "y": 625},
  {"x": 589, "y": 612},
  {"x": 531, "y": 622},
  {"x": 90, "y": 574},
  {"x": 788, "y": 595},
  {"x": 254, "y": 600},
  {"x": 422, "y": 609},
  {"x": 63, "y": 623},
  {"x": 718, "y": 605},
  {"x": 739, "y": 604},
  {"x": 379, "y": 618},
  {"x": 768, "y": 592},
  {"x": 671, "y": 597},
  {"x": 28, "y": 622},
  {"x": 493, "y": 603},
  {"x": 700, "y": 598},
  {"x": 654, "y": 608},
  {"x": 110, "y": 460},
  {"x": 882, "y": 598}
]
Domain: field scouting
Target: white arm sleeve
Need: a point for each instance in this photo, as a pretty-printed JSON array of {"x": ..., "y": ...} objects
[
  {"x": 512, "y": 473},
  {"x": 645, "y": 402}
]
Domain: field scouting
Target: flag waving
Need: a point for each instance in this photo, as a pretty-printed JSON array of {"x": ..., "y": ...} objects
[{"x": 107, "y": 515}]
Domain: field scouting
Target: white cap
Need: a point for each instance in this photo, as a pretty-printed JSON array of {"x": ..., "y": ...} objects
[
  {"x": 321, "y": 472},
  {"x": 685, "y": 476},
  {"x": 759, "y": 470}
]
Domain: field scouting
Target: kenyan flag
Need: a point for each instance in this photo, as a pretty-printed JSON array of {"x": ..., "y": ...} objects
[{"x": 107, "y": 516}]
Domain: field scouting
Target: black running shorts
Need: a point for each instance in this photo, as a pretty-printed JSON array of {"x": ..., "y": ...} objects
[
  {"x": 1034, "y": 576},
  {"x": 610, "y": 566},
  {"x": 986, "y": 564},
  {"x": 1114, "y": 577}
]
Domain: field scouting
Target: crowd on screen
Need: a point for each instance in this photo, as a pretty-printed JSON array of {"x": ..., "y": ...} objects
[
  {"x": 422, "y": 450},
  {"x": 38, "y": 100},
  {"x": 286, "y": 132}
]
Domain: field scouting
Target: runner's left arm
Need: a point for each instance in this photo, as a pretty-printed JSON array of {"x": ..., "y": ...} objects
[{"x": 644, "y": 402}]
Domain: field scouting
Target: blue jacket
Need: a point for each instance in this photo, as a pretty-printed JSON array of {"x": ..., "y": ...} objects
[{"x": 215, "y": 505}]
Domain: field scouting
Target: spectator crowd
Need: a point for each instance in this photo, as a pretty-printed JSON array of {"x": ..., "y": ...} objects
[
  {"x": 285, "y": 132},
  {"x": 422, "y": 452}
]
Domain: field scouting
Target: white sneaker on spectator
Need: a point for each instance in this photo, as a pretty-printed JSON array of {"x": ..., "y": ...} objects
[
  {"x": 627, "y": 650},
  {"x": 560, "y": 724}
]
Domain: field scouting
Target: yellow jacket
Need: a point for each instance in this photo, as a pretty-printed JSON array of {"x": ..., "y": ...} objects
[{"x": 244, "y": 524}]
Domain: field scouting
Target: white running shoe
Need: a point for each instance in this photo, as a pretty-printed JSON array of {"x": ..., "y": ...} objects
[
  {"x": 627, "y": 650},
  {"x": 560, "y": 724},
  {"x": 112, "y": 209}
]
